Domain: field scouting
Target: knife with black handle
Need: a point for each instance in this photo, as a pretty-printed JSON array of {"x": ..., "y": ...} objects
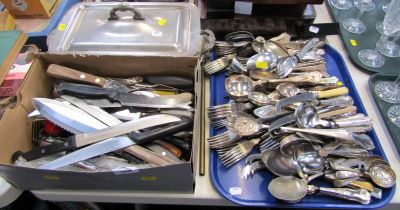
[
  {"x": 126, "y": 99},
  {"x": 83, "y": 139},
  {"x": 173, "y": 81},
  {"x": 150, "y": 135}
]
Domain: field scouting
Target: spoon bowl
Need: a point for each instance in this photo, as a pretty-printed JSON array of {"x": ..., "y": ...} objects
[
  {"x": 306, "y": 116},
  {"x": 281, "y": 165},
  {"x": 265, "y": 111},
  {"x": 238, "y": 87},
  {"x": 279, "y": 188},
  {"x": 287, "y": 89},
  {"x": 261, "y": 65},
  {"x": 259, "y": 98}
]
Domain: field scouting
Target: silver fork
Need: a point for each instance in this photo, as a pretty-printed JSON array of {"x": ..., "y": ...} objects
[
  {"x": 217, "y": 65},
  {"x": 223, "y": 140},
  {"x": 269, "y": 143},
  {"x": 218, "y": 123},
  {"x": 238, "y": 152},
  {"x": 224, "y": 110}
]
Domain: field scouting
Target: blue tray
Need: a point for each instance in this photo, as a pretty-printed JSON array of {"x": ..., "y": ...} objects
[
  {"x": 254, "y": 191},
  {"x": 39, "y": 38}
]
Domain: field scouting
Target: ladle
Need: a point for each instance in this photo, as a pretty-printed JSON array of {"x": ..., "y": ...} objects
[{"x": 306, "y": 116}]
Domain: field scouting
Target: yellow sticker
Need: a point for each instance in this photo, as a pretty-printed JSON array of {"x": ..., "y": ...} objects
[
  {"x": 353, "y": 42},
  {"x": 62, "y": 26},
  {"x": 339, "y": 83},
  {"x": 51, "y": 177},
  {"x": 261, "y": 65},
  {"x": 148, "y": 178},
  {"x": 162, "y": 21}
]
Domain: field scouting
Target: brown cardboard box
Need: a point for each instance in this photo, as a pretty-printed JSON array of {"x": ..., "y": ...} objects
[
  {"x": 15, "y": 127},
  {"x": 31, "y": 8}
]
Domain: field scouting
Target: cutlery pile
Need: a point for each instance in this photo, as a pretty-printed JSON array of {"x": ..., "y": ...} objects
[
  {"x": 292, "y": 118},
  {"x": 101, "y": 124}
]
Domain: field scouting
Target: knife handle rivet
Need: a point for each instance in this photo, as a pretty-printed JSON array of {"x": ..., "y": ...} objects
[
  {"x": 82, "y": 76},
  {"x": 97, "y": 80}
]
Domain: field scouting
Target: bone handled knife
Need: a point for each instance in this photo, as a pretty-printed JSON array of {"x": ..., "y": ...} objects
[{"x": 310, "y": 96}]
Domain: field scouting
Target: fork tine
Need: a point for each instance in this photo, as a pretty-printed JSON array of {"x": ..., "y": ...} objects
[
  {"x": 219, "y": 106},
  {"x": 235, "y": 159}
]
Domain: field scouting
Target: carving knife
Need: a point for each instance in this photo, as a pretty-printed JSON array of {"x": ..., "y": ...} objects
[
  {"x": 83, "y": 139},
  {"x": 309, "y": 97},
  {"x": 65, "y": 73},
  {"x": 61, "y": 113},
  {"x": 126, "y": 99}
]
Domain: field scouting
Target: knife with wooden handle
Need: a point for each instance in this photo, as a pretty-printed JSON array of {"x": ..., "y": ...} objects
[
  {"x": 170, "y": 147},
  {"x": 65, "y": 73},
  {"x": 149, "y": 156}
]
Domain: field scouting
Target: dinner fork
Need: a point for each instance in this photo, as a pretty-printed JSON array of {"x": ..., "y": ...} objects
[
  {"x": 217, "y": 65},
  {"x": 238, "y": 152},
  {"x": 269, "y": 143},
  {"x": 223, "y": 140},
  {"x": 218, "y": 123},
  {"x": 224, "y": 110}
]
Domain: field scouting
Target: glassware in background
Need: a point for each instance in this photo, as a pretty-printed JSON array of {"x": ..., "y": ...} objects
[
  {"x": 394, "y": 115},
  {"x": 389, "y": 91},
  {"x": 385, "y": 7},
  {"x": 366, "y": 5},
  {"x": 341, "y": 4},
  {"x": 391, "y": 26},
  {"x": 355, "y": 25}
]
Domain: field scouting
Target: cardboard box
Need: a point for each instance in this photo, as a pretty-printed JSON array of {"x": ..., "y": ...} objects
[
  {"x": 31, "y": 8},
  {"x": 15, "y": 127}
]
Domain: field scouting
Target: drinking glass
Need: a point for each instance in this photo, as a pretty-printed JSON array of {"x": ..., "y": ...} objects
[
  {"x": 385, "y": 7},
  {"x": 355, "y": 25},
  {"x": 394, "y": 115},
  {"x": 391, "y": 25},
  {"x": 341, "y": 4},
  {"x": 389, "y": 91},
  {"x": 367, "y": 5}
]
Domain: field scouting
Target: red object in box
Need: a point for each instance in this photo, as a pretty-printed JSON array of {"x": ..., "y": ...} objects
[{"x": 16, "y": 75}]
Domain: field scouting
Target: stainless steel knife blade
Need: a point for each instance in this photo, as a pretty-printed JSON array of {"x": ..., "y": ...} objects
[
  {"x": 104, "y": 118},
  {"x": 99, "y": 148},
  {"x": 67, "y": 116},
  {"x": 309, "y": 96},
  {"x": 294, "y": 99},
  {"x": 109, "y": 144},
  {"x": 83, "y": 139},
  {"x": 112, "y": 144}
]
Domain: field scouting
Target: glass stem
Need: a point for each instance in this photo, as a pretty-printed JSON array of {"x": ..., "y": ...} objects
[
  {"x": 380, "y": 41},
  {"x": 396, "y": 37},
  {"x": 360, "y": 14},
  {"x": 396, "y": 83}
]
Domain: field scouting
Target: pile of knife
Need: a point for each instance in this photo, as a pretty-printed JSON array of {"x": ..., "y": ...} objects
[{"x": 103, "y": 124}]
